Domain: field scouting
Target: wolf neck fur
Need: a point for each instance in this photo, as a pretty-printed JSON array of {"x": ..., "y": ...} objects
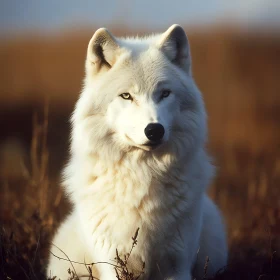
[{"x": 154, "y": 170}]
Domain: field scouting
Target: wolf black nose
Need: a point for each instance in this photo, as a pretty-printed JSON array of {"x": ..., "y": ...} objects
[{"x": 154, "y": 131}]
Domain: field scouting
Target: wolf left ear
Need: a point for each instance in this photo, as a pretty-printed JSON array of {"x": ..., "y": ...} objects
[
  {"x": 175, "y": 45},
  {"x": 102, "y": 50}
]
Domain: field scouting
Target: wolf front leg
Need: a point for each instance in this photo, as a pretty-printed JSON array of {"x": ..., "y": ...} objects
[
  {"x": 107, "y": 272},
  {"x": 182, "y": 271},
  {"x": 172, "y": 269},
  {"x": 104, "y": 254},
  {"x": 68, "y": 251}
]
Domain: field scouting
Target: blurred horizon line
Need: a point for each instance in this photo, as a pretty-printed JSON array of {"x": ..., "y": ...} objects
[{"x": 70, "y": 30}]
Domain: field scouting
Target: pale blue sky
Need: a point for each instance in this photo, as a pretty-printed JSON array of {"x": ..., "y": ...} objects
[{"x": 49, "y": 15}]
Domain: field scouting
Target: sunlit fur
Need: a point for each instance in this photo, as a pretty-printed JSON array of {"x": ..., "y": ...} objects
[{"x": 118, "y": 184}]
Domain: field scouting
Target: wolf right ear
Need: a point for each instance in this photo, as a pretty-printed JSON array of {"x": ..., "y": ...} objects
[
  {"x": 102, "y": 50},
  {"x": 175, "y": 45}
]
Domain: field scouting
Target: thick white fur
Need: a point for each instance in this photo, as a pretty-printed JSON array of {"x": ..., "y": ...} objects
[{"x": 118, "y": 184}]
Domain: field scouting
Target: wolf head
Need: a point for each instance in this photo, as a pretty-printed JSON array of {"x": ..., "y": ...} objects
[{"x": 139, "y": 94}]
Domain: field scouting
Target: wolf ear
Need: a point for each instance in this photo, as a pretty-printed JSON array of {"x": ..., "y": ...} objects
[
  {"x": 102, "y": 50},
  {"x": 175, "y": 45}
]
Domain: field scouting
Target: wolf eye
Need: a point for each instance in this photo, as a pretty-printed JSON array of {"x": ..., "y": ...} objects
[
  {"x": 165, "y": 93},
  {"x": 126, "y": 96}
]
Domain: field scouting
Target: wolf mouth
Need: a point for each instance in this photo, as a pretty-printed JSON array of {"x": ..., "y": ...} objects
[{"x": 151, "y": 145}]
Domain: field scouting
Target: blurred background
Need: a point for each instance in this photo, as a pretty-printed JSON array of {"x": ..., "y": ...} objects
[{"x": 236, "y": 63}]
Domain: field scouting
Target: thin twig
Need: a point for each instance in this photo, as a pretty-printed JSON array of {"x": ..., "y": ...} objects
[
  {"x": 67, "y": 259},
  {"x": 93, "y": 263}
]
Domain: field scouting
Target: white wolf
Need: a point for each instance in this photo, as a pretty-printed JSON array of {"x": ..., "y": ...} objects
[{"x": 138, "y": 161}]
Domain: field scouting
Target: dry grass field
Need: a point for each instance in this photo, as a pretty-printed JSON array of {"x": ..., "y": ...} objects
[{"x": 238, "y": 73}]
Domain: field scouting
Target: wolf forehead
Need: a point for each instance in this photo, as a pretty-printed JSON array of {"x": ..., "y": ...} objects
[{"x": 105, "y": 50}]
